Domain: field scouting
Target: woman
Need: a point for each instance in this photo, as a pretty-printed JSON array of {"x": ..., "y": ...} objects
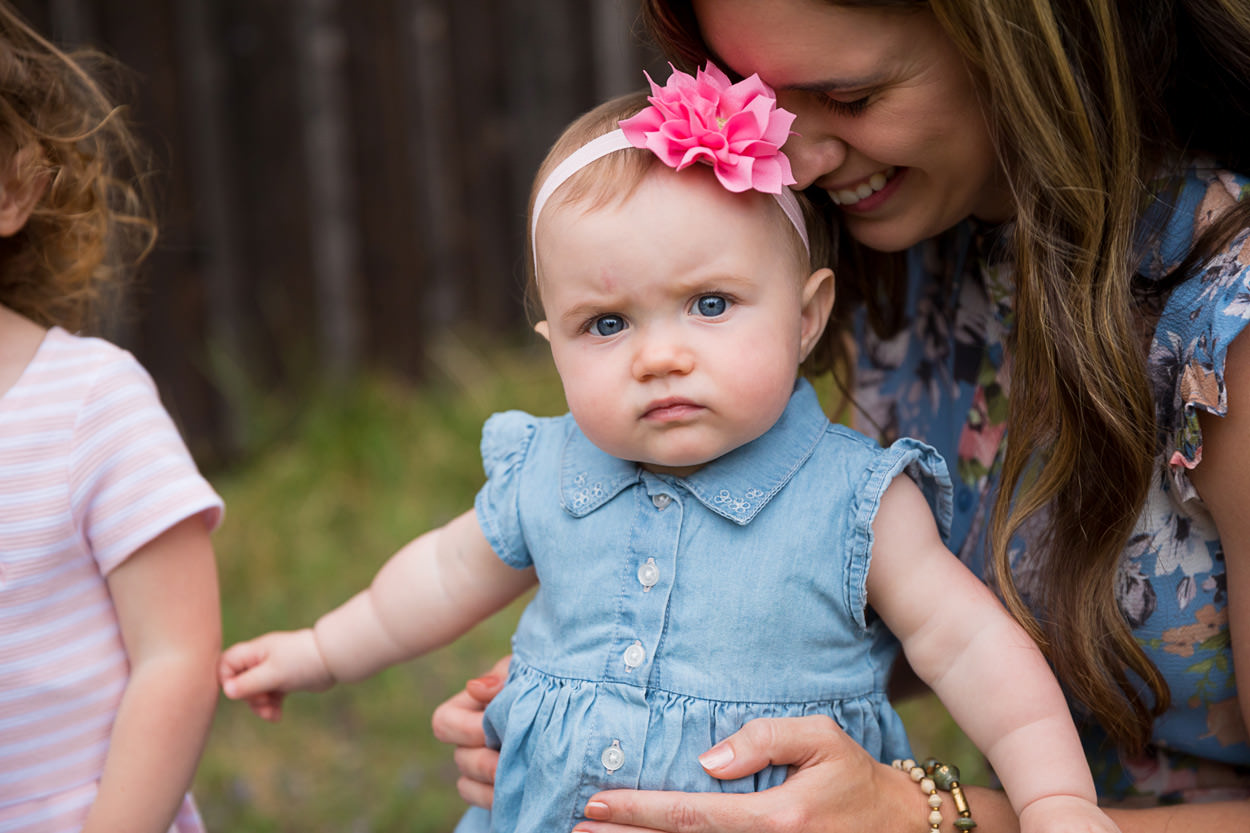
[{"x": 1042, "y": 238}]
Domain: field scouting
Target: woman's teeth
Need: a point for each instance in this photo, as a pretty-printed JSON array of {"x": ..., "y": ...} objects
[{"x": 872, "y": 185}]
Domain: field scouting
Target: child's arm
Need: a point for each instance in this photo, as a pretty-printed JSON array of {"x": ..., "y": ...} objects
[
  {"x": 167, "y": 605},
  {"x": 984, "y": 667},
  {"x": 431, "y": 591}
]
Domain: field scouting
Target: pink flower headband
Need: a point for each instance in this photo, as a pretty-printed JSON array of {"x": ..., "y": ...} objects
[{"x": 736, "y": 128}]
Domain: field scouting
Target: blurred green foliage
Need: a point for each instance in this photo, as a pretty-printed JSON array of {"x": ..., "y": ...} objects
[{"x": 337, "y": 485}]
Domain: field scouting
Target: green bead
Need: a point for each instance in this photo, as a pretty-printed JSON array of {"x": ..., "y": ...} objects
[
  {"x": 944, "y": 775},
  {"x": 930, "y": 764},
  {"x": 963, "y": 823}
]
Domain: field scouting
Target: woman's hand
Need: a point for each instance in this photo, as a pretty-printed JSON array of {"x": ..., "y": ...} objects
[
  {"x": 834, "y": 785},
  {"x": 459, "y": 721}
]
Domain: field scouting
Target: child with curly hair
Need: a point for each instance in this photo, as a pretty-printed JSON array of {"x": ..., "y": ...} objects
[{"x": 109, "y": 619}]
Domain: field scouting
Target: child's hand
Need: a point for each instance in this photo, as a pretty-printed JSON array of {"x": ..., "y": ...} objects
[
  {"x": 264, "y": 669},
  {"x": 1065, "y": 814}
]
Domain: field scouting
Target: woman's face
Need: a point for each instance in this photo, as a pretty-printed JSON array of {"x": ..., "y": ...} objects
[{"x": 888, "y": 120}]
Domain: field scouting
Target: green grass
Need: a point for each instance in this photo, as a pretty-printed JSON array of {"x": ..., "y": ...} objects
[{"x": 342, "y": 482}]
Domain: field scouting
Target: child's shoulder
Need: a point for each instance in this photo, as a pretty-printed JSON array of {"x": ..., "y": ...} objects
[
  {"x": 508, "y": 436},
  {"x": 84, "y": 352},
  {"x": 837, "y": 433},
  {"x": 855, "y": 449},
  {"x": 75, "y": 374},
  {"x": 87, "y": 359},
  {"x": 520, "y": 426}
]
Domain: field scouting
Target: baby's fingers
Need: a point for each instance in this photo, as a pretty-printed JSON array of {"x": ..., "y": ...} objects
[
  {"x": 267, "y": 706},
  {"x": 282, "y": 661},
  {"x": 238, "y": 658},
  {"x": 250, "y": 681}
]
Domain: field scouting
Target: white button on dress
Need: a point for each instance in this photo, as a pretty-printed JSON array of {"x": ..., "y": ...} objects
[
  {"x": 635, "y": 655},
  {"x": 661, "y": 501},
  {"x": 648, "y": 574},
  {"x": 613, "y": 757}
]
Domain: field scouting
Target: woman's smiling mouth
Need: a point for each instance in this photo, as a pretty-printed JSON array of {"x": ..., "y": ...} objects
[{"x": 852, "y": 196}]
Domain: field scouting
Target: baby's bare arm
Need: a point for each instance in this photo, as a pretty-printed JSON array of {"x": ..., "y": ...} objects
[
  {"x": 431, "y": 591},
  {"x": 984, "y": 667}
]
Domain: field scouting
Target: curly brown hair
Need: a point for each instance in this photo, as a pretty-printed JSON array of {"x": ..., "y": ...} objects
[{"x": 93, "y": 223}]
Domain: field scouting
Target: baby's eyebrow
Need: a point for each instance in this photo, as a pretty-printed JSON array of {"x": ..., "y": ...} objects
[
  {"x": 581, "y": 311},
  {"x": 712, "y": 281}
]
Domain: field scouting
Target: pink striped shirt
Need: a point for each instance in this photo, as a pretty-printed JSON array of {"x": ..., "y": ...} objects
[{"x": 91, "y": 468}]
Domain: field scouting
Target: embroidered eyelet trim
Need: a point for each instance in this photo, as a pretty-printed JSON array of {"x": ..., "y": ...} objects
[
  {"x": 585, "y": 493},
  {"x": 738, "y": 505}
]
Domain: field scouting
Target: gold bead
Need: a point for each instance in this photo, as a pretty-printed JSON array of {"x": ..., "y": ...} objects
[{"x": 961, "y": 803}]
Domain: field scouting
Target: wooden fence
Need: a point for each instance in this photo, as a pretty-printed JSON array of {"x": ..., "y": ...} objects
[{"x": 340, "y": 178}]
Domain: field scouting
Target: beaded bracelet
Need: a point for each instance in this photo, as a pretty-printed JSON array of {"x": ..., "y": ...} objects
[{"x": 933, "y": 775}]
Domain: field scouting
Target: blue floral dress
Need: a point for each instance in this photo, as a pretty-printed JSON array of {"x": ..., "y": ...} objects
[{"x": 945, "y": 380}]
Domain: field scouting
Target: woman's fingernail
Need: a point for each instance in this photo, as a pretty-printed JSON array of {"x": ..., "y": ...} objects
[
  {"x": 596, "y": 810},
  {"x": 717, "y": 756}
]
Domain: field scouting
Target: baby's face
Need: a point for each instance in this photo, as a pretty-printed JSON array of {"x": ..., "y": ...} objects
[{"x": 677, "y": 318}]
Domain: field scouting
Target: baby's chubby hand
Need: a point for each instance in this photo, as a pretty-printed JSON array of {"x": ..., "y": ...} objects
[
  {"x": 1065, "y": 814},
  {"x": 263, "y": 670}
]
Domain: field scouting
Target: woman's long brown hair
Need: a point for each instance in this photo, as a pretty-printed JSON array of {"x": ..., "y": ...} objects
[{"x": 1086, "y": 100}]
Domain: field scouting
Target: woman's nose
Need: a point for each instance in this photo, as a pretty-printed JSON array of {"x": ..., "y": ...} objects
[{"x": 813, "y": 150}]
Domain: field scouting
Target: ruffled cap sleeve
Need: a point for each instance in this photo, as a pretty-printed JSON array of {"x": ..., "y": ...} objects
[
  {"x": 506, "y": 439},
  {"x": 922, "y": 464},
  {"x": 1189, "y": 350}
]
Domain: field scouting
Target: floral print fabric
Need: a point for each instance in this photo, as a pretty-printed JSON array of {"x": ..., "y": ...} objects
[{"x": 945, "y": 379}]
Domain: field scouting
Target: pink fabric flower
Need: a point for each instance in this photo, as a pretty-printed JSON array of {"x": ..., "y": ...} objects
[{"x": 736, "y": 128}]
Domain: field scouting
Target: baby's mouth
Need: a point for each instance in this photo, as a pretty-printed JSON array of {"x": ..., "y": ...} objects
[{"x": 870, "y": 186}]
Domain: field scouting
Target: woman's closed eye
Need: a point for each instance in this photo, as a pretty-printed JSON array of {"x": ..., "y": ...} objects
[
  {"x": 711, "y": 306},
  {"x": 844, "y": 108}
]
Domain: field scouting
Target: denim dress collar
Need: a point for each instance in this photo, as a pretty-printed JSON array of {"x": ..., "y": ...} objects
[{"x": 736, "y": 486}]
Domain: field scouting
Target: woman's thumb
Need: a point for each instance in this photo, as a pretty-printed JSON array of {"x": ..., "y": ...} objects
[{"x": 781, "y": 742}]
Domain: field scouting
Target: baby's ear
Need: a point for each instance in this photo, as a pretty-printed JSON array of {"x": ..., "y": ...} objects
[
  {"x": 818, "y": 292},
  {"x": 543, "y": 330},
  {"x": 20, "y": 192}
]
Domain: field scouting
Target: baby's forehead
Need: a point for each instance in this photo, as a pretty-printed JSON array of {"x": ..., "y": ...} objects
[{"x": 619, "y": 193}]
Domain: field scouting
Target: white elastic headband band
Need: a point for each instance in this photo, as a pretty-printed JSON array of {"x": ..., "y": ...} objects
[{"x": 610, "y": 143}]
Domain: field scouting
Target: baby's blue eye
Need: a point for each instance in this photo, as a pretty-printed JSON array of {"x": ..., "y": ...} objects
[
  {"x": 711, "y": 306},
  {"x": 607, "y": 325}
]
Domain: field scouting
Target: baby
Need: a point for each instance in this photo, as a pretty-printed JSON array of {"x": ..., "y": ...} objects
[{"x": 709, "y": 549}]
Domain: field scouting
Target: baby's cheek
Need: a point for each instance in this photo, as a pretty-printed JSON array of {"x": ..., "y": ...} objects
[{"x": 599, "y": 419}]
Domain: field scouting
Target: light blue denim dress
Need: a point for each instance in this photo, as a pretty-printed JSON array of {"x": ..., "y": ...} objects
[{"x": 671, "y": 611}]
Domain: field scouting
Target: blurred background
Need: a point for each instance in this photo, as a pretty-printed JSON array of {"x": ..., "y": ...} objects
[
  {"x": 334, "y": 308},
  {"x": 340, "y": 181}
]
